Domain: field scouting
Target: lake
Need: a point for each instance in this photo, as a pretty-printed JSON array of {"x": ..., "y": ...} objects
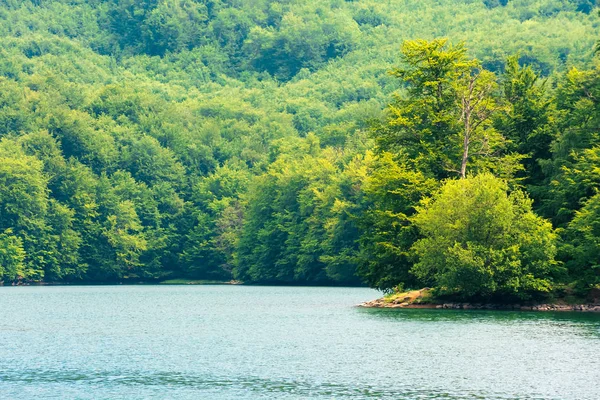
[{"x": 244, "y": 342}]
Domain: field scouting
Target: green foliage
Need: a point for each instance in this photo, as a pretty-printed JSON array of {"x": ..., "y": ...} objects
[
  {"x": 12, "y": 256},
  {"x": 42, "y": 228},
  {"x": 444, "y": 122},
  {"x": 528, "y": 123},
  {"x": 391, "y": 192},
  {"x": 582, "y": 244},
  {"x": 207, "y": 139},
  {"x": 289, "y": 221},
  {"x": 572, "y": 171},
  {"x": 481, "y": 242},
  {"x": 284, "y": 51},
  {"x": 426, "y": 121}
]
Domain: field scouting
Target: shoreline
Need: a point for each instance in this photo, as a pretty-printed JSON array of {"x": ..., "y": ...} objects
[
  {"x": 379, "y": 303},
  {"x": 175, "y": 282},
  {"x": 423, "y": 299},
  {"x": 170, "y": 282}
]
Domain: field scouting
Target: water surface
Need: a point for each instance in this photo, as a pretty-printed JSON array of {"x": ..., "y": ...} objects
[{"x": 241, "y": 342}]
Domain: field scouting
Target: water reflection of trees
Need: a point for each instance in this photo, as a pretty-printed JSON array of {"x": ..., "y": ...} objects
[{"x": 571, "y": 323}]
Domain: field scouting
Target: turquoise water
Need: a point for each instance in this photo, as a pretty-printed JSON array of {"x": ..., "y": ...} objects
[{"x": 241, "y": 342}]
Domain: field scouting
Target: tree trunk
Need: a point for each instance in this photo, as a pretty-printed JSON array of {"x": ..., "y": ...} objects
[
  {"x": 467, "y": 138},
  {"x": 465, "y": 157}
]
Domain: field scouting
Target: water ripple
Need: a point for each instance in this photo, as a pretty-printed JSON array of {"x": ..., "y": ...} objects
[{"x": 167, "y": 381}]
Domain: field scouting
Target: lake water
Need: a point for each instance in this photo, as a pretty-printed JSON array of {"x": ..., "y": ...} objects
[{"x": 242, "y": 342}]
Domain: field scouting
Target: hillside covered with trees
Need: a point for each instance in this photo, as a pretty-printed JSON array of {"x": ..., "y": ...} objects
[{"x": 302, "y": 142}]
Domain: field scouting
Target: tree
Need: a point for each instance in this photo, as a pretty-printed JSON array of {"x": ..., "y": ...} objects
[
  {"x": 582, "y": 244},
  {"x": 12, "y": 256},
  {"x": 174, "y": 25},
  {"x": 281, "y": 238},
  {"x": 481, "y": 242},
  {"x": 391, "y": 193},
  {"x": 23, "y": 209},
  {"x": 304, "y": 40},
  {"x": 295, "y": 227},
  {"x": 122, "y": 231},
  {"x": 477, "y": 106},
  {"x": 571, "y": 176},
  {"x": 424, "y": 123},
  {"x": 447, "y": 110},
  {"x": 342, "y": 206},
  {"x": 528, "y": 121}
]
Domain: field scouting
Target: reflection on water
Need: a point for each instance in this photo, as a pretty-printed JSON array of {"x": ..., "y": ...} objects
[
  {"x": 575, "y": 322},
  {"x": 434, "y": 315},
  {"x": 237, "y": 342}
]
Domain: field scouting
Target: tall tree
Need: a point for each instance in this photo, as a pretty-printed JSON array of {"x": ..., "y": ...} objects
[
  {"x": 477, "y": 106},
  {"x": 446, "y": 112}
]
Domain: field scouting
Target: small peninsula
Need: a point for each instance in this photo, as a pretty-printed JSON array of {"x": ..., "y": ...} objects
[{"x": 425, "y": 298}]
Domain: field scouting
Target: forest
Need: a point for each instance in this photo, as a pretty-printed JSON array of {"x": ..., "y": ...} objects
[{"x": 453, "y": 144}]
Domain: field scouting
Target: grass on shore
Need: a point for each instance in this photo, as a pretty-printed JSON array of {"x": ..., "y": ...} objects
[
  {"x": 564, "y": 296},
  {"x": 422, "y": 296}
]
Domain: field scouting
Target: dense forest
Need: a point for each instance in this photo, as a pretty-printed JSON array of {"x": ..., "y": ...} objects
[{"x": 302, "y": 142}]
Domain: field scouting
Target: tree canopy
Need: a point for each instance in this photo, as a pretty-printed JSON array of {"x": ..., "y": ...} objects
[{"x": 481, "y": 242}]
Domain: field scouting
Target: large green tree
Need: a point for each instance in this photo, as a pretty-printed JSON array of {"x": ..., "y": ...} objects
[
  {"x": 481, "y": 242},
  {"x": 443, "y": 122},
  {"x": 582, "y": 245},
  {"x": 391, "y": 193}
]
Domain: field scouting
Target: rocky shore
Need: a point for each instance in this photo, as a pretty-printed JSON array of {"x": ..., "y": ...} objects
[
  {"x": 379, "y": 303},
  {"x": 422, "y": 299}
]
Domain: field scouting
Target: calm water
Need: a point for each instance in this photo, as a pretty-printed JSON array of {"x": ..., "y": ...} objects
[{"x": 238, "y": 342}]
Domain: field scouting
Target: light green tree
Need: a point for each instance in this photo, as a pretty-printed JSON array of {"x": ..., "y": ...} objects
[
  {"x": 479, "y": 241},
  {"x": 443, "y": 122},
  {"x": 12, "y": 256}
]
